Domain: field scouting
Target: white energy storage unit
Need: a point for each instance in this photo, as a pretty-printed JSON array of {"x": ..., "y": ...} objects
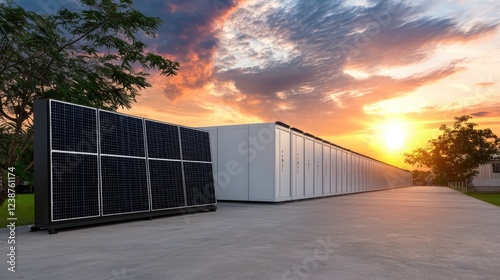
[
  {"x": 318, "y": 167},
  {"x": 298, "y": 159},
  {"x": 326, "y": 168},
  {"x": 273, "y": 162},
  {"x": 253, "y": 163},
  {"x": 309, "y": 165}
]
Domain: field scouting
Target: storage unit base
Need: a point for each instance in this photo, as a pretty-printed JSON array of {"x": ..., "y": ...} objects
[{"x": 53, "y": 227}]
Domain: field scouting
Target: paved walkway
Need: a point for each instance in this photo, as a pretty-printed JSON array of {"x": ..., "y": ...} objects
[{"x": 410, "y": 233}]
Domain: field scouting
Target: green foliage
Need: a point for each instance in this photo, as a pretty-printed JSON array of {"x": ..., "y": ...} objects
[
  {"x": 493, "y": 198},
  {"x": 91, "y": 56},
  {"x": 457, "y": 153},
  {"x": 25, "y": 211}
]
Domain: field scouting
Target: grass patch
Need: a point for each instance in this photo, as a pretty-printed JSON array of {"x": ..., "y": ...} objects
[
  {"x": 25, "y": 210},
  {"x": 493, "y": 198}
]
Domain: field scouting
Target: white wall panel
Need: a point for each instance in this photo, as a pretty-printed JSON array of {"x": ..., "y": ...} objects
[
  {"x": 333, "y": 171},
  {"x": 318, "y": 168},
  {"x": 297, "y": 155},
  {"x": 338, "y": 173},
  {"x": 232, "y": 162},
  {"x": 264, "y": 166},
  {"x": 349, "y": 172},
  {"x": 284, "y": 164},
  {"x": 326, "y": 169},
  {"x": 344, "y": 172},
  {"x": 366, "y": 175},
  {"x": 354, "y": 177},
  {"x": 309, "y": 166}
]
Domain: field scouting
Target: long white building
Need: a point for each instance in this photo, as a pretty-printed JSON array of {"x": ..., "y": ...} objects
[{"x": 273, "y": 162}]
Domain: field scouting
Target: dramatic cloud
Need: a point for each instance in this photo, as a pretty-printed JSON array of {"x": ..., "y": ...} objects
[
  {"x": 335, "y": 68},
  {"x": 481, "y": 114},
  {"x": 322, "y": 40},
  {"x": 189, "y": 35}
]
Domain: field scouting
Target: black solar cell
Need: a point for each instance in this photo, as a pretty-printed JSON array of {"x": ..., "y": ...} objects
[
  {"x": 73, "y": 128},
  {"x": 124, "y": 185},
  {"x": 75, "y": 187},
  {"x": 163, "y": 140},
  {"x": 195, "y": 145},
  {"x": 121, "y": 135},
  {"x": 199, "y": 183},
  {"x": 167, "y": 189}
]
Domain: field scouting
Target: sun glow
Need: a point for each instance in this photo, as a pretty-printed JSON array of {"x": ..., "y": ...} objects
[
  {"x": 394, "y": 138},
  {"x": 394, "y": 134}
]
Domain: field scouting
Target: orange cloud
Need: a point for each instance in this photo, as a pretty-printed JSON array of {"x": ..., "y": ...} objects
[
  {"x": 288, "y": 64},
  {"x": 191, "y": 36}
]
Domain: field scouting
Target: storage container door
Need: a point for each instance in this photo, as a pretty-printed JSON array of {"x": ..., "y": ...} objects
[
  {"x": 284, "y": 165},
  {"x": 309, "y": 167},
  {"x": 232, "y": 163},
  {"x": 318, "y": 169},
  {"x": 333, "y": 171},
  {"x": 339, "y": 172},
  {"x": 298, "y": 166},
  {"x": 326, "y": 169},
  {"x": 264, "y": 164},
  {"x": 355, "y": 173},
  {"x": 344, "y": 172}
]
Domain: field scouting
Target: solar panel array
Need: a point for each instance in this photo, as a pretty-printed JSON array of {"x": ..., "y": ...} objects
[{"x": 105, "y": 164}]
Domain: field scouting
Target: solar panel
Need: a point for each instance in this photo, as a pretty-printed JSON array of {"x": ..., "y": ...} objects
[
  {"x": 199, "y": 183},
  {"x": 163, "y": 140},
  {"x": 73, "y": 128},
  {"x": 121, "y": 135},
  {"x": 108, "y": 166},
  {"x": 195, "y": 145},
  {"x": 75, "y": 186},
  {"x": 167, "y": 189},
  {"x": 124, "y": 185}
]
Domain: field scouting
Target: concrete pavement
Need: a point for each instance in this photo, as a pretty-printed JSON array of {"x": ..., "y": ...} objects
[{"x": 409, "y": 233}]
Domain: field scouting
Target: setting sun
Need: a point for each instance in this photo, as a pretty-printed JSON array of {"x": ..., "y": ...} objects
[
  {"x": 394, "y": 137},
  {"x": 393, "y": 134}
]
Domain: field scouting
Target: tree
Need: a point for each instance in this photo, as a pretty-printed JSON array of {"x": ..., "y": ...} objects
[
  {"x": 457, "y": 153},
  {"x": 90, "y": 56}
]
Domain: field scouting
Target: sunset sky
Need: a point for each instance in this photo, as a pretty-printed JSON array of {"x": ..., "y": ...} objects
[{"x": 377, "y": 77}]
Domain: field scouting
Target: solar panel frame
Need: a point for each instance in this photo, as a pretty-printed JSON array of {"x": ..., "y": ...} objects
[
  {"x": 151, "y": 127},
  {"x": 157, "y": 192},
  {"x": 200, "y": 187},
  {"x": 89, "y": 140},
  {"x": 197, "y": 141},
  {"x": 53, "y": 192},
  {"x": 189, "y": 158},
  {"x": 125, "y": 171},
  {"x": 117, "y": 130},
  {"x": 182, "y": 166},
  {"x": 69, "y": 152},
  {"x": 85, "y": 161}
]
